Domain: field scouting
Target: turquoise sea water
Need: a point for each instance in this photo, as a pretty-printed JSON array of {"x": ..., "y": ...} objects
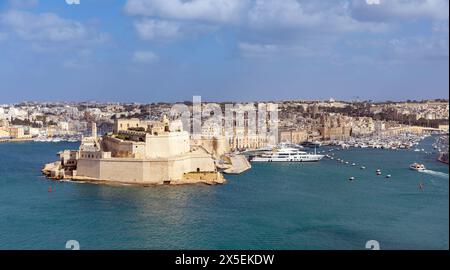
[{"x": 273, "y": 206}]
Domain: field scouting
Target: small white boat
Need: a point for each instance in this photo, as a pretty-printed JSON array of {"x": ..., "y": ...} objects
[
  {"x": 40, "y": 139},
  {"x": 417, "y": 167}
]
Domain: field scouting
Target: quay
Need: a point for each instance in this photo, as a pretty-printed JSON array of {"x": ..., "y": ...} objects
[
  {"x": 239, "y": 164},
  {"x": 16, "y": 140}
]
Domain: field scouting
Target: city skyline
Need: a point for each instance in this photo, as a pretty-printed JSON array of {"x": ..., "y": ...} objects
[
  {"x": 137, "y": 102},
  {"x": 168, "y": 51}
]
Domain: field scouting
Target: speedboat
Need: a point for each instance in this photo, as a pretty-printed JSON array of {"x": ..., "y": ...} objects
[{"x": 417, "y": 167}]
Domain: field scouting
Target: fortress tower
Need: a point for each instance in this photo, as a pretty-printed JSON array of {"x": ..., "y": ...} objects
[{"x": 94, "y": 130}]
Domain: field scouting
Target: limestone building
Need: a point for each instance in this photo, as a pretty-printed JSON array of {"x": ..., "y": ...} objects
[
  {"x": 141, "y": 152},
  {"x": 293, "y": 135}
]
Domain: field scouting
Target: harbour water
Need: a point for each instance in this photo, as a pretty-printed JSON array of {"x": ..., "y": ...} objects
[{"x": 272, "y": 206}]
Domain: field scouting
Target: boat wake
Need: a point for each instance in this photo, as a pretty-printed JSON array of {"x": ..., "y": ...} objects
[{"x": 435, "y": 173}]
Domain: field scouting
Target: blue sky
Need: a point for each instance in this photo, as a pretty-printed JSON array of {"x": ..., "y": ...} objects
[{"x": 223, "y": 50}]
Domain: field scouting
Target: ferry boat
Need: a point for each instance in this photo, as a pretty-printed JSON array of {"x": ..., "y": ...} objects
[
  {"x": 417, "y": 167},
  {"x": 286, "y": 155}
]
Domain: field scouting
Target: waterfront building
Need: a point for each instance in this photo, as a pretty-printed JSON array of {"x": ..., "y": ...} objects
[
  {"x": 293, "y": 136},
  {"x": 443, "y": 128},
  {"x": 334, "y": 127},
  {"x": 4, "y": 134},
  {"x": 18, "y": 132},
  {"x": 123, "y": 124}
]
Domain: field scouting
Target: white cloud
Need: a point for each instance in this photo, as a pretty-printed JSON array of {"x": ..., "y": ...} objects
[
  {"x": 68, "y": 41},
  {"x": 23, "y": 3},
  {"x": 305, "y": 15},
  {"x": 337, "y": 15},
  {"x": 434, "y": 48},
  {"x": 203, "y": 10},
  {"x": 48, "y": 32},
  {"x": 401, "y": 9},
  {"x": 42, "y": 27},
  {"x": 274, "y": 13},
  {"x": 144, "y": 57},
  {"x": 150, "y": 29},
  {"x": 255, "y": 50},
  {"x": 292, "y": 15},
  {"x": 275, "y": 51},
  {"x": 302, "y": 28}
]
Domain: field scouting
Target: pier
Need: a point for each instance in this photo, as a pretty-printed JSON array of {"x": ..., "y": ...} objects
[
  {"x": 16, "y": 140},
  {"x": 239, "y": 164}
]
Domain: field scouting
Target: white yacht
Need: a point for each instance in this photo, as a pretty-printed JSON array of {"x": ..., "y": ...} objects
[{"x": 286, "y": 154}]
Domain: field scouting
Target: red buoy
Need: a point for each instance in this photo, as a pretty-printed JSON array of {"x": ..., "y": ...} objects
[{"x": 50, "y": 189}]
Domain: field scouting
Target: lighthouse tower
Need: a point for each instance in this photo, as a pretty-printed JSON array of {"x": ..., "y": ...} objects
[{"x": 94, "y": 130}]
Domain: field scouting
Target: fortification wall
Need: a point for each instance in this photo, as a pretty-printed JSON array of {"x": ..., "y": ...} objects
[
  {"x": 167, "y": 145},
  {"x": 88, "y": 167},
  {"x": 144, "y": 171},
  {"x": 119, "y": 148}
]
